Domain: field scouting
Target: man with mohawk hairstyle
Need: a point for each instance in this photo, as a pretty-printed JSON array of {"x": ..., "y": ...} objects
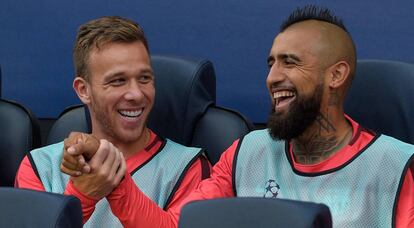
[{"x": 115, "y": 80}]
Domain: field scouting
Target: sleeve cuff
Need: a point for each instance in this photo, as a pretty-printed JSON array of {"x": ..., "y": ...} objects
[{"x": 123, "y": 187}]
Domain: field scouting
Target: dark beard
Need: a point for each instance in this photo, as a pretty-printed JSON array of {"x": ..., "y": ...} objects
[{"x": 302, "y": 114}]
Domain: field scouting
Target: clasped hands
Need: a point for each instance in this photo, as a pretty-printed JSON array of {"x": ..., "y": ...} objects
[{"x": 96, "y": 166}]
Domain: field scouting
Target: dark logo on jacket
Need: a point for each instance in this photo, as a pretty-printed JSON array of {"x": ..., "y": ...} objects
[{"x": 271, "y": 189}]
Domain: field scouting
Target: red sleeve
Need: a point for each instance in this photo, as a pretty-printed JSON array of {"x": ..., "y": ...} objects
[
  {"x": 134, "y": 209},
  {"x": 87, "y": 203},
  {"x": 27, "y": 178},
  {"x": 405, "y": 205}
]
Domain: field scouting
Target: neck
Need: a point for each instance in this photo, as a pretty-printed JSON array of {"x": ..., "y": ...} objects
[
  {"x": 130, "y": 148},
  {"x": 329, "y": 133}
]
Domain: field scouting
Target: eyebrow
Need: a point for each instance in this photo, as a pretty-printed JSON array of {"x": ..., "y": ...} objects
[
  {"x": 146, "y": 71},
  {"x": 283, "y": 56},
  {"x": 116, "y": 74},
  {"x": 270, "y": 59},
  {"x": 289, "y": 56}
]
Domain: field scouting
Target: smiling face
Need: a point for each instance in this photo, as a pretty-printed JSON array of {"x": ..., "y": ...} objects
[
  {"x": 296, "y": 80},
  {"x": 120, "y": 92}
]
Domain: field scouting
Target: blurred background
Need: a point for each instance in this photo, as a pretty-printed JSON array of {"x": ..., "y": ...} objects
[{"x": 36, "y": 39}]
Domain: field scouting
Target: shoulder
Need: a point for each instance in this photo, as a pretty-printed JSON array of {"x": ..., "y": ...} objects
[
  {"x": 53, "y": 151},
  {"x": 259, "y": 138},
  {"x": 172, "y": 145},
  {"x": 391, "y": 143}
]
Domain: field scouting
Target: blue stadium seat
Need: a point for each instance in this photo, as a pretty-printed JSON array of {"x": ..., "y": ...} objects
[
  {"x": 28, "y": 208},
  {"x": 246, "y": 212},
  {"x": 19, "y": 133},
  {"x": 381, "y": 98}
]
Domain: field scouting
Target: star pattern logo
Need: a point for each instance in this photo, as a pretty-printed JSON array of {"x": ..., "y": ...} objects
[{"x": 272, "y": 189}]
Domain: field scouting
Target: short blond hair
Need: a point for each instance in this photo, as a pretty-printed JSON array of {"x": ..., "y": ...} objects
[{"x": 98, "y": 32}]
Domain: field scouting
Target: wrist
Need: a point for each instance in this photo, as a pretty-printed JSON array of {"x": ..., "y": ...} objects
[
  {"x": 71, "y": 189},
  {"x": 122, "y": 189}
]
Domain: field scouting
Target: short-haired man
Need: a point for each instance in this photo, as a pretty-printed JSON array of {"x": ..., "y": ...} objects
[
  {"x": 115, "y": 80},
  {"x": 311, "y": 149}
]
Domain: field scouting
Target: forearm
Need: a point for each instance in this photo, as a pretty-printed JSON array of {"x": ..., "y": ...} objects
[
  {"x": 134, "y": 209},
  {"x": 87, "y": 203},
  {"x": 27, "y": 178}
]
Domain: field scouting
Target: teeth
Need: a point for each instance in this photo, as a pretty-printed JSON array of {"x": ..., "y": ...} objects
[
  {"x": 280, "y": 94},
  {"x": 131, "y": 114}
]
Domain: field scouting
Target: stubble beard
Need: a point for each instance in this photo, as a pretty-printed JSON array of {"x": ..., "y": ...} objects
[{"x": 107, "y": 126}]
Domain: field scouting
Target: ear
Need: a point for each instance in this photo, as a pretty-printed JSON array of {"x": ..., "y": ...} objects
[
  {"x": 338, "y": 74},
  {"x": 82, "y": 89}
]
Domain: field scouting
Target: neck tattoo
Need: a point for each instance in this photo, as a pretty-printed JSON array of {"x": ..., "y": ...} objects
[{"x": 322, "y": 143}]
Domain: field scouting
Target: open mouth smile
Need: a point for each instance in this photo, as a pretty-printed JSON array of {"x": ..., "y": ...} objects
[
  {"x": 283, "y": 98},
  {"x": 131, "y": 113}
]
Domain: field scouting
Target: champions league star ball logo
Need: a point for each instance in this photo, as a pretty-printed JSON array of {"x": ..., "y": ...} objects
[{"x": 271, "y": 189}]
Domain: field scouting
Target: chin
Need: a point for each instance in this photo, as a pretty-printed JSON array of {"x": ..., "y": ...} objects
[
  {"x": 281, "y": 113},
  {"x": 130, "y": 135}
]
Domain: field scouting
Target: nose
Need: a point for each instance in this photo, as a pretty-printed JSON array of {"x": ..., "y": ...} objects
[
  {"x": 276, "y": 75},
  {"x": 134, "y": 92}
]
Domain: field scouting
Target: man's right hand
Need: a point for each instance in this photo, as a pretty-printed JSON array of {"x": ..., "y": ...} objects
[
  {"x": 108, "y": 167},
  {"x": 78, "y": 149}
]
